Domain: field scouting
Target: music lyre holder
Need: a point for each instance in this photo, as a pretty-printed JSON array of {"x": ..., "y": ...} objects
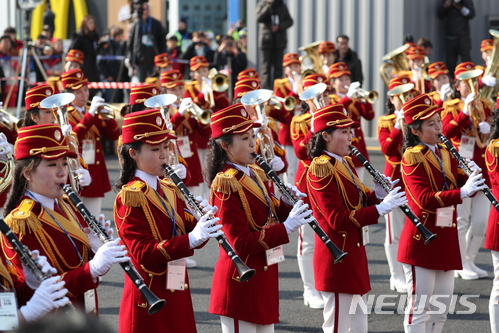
[
  {"x": 27, "y": 6},
  {"x": 313, "y": 93}
]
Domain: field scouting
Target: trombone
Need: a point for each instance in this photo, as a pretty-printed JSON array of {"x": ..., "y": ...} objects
[
  {"x": 107, "y": 110},
  {"x": 219, "y": 83},
  {"x": 289, "y": 102}
]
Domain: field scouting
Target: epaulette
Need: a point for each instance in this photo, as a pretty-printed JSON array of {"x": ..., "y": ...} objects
[
  {"x": 414, "y": 155},
  {"x": 278, "y": 149},
  {"x": 259, "y": 171},
  {"x": 494, "y": 147},
  {"x": 132, "y": 194},
  {"x": 320, "y": 166},
  {"x": 23, "y": 217},
  {"x": 299, "y": 124},
  {"x": 334, "y": 99},
  {"x": 487, "y": 103},
  {"x": 349, "y": 160},
  {"x": 387, "y": 121},
  {"x": 450, "y": 106},
  {"x": 226, "y": 182},
  {"x": 280, "y": 83},
  {"x": 170, "y": 184}
]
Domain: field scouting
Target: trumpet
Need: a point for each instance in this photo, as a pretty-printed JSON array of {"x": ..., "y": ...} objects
[
  {"x": 289, "y": 102},
  {"x": 364, "y": 96},
  {"x": 219, "y": 83},
  {"x": 7, "y": 119},
  {"x": 107, "y": 110},
  {"x": 203, "y": 116}
]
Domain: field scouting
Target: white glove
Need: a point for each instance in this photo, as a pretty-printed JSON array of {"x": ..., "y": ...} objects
[
  {"x": 205, "y": 229},
  {"x": 472, "y": 165},
  {"x": 297, "y": 216},
  {"x": 277, "y": 164},
  {"x": 312, "y": 123},
  {"x": 394, "y": 199},
  {"x": 97, "y": 102},
  {"x": 444, "y": 92},
  {"x": 354, "y": 88},
  {"x": 41, "y": 261},
  {"x": 206, "y": 86},
  {"x": 416, "y": 74},
  {"x": 295, "y": 193},
  {"x": 107, "y": 255},
  {"x": 465, "y": 11},
  {"x": 83, "y": 176},
  {"x": 467, "y": 101},
  {"x": 184, "y": 105},
  {"x": 50, "y": 295},
  {"x": 94, "y": 240},
  {"x": 205, "y": 205},
  {"x": 400, "y": 117},
  {"x": 484, "y": 127},
  {"x": 180, "y": 170},
  {"x": 66, "y": 130},
  {"x": 474, "y": 183},
  {"x": 5, "y": 147},
  {"x": 489, "y": 81},
  {"x": 380, "y": 191}
]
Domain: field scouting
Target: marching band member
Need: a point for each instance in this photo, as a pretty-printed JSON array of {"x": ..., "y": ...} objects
[
  {"x": 156, "y": 227},
  {"x": 416, "y": 55},
  {"x": 440, "y": 80},
  {"x": 162, "y": 63},
  {"x": 435, "y": 186},
  {"x": 327, "y": 55},
  {"x": 138, "y": 95},
  {"x": 290, "y": 85},
  {"x": 74, "y": 60},
  {"x": 457, "y": 127},
  {"x": 391, "y": 139},
  {"x": 251, "y": 220},
  {"x": 44, "y": 222},
  {"x": 486, "y": 48},
  {"x": 344, "y": 207},
  {"x": 248, "y": 73},
  {"x": 346, "y": 91},
  {"x": 301, "y": 135},
  {"x": 34, "y": 113},
  {"x": 89, "y": 129}
]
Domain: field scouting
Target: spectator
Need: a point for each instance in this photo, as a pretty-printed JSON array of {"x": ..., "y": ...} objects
[
  {"x": 349, "y": 57},
  {"x": 6, "y": 69},
  {"x": 49, "y": 18},
  {"x": 457, "y": 15},
  {"x": 428, "y": 47},
  {"x": 184, "y": 36},
  {"x": 17, "y": 44},
  {"x": 236, "y": 29},
  {"x": 85, "y": 40},
  {"x": 230, "y": 57},
  {"x": 47, "y": 32},
  {"x": 54, "y": 65},
  {"x": 110, "y": 69},
  {"x": 174, "y": 51},
  {"x": 242, "y": 42},
  {"x": 273, "y": 18},
  {"x": 40, "y": 49},
  {"x": 146, "y": 39},
  {"x": 199, "y": 48}
]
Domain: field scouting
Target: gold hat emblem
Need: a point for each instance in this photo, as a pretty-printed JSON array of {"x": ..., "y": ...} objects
[
  {"x": 174, "y": 76},
  {"x": 154, "y": 91},
  {"x": 416, "y": 51},
  {"x": 243, "y": 113},
  {"x": 57, "y": 135},
  {"x": 427, "y": 101},
  {"x": 198, "y": 60},
  {"x": 404, "y": 80},
  {"x": 340, "y": 67},
  {"x": 253, "y": 84},
  {"x": 320, "y": 79},
  {"x": 159, "y": 121},
  {"x": 165, "y": 58},
  {"x": 48, "y": 92},
  {"x": 437, "y": 67},
  {"x": 78, "y": 75},
  {"x": 251, "y": 74},
  {"x": 468, "y": 66}
]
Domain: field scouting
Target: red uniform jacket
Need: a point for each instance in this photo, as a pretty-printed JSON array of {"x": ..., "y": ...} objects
[
  {"x": 146, "y": 229},
  {"x": 492, "y": 160},
  {"x": 90, "y": 127},
  {"x": 357, "y": 110},
  {"x": 283, "y": 89},
  {"x": 436, "y": 97},
  {"x": 301, "y": 135},
  {"x": 13, "y": 281},
  {"x": 36, "y": 229},
  {"x": 189, "y": 126},
  {"x": 244, "y": 213},
  {"x": 342, "y": 213},
  {"x": 424, "y": 185},
  {"x": 456, "y": 123},
  {"x": 391, "y": 141},
  {"x": 11, "y": 136}
]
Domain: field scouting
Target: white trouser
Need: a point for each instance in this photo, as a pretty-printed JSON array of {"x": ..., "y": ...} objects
[
  {"x": 289, "y": 176},
  {"x": 229, "y": 325},
  {"x": 494, "y": 295},
  {"x": 204, "y": 190},
  {"x": 338, "y": 316},
  {"x": 394, "y": 224},
  {"x": 472, "y": 216},
  {"x": 360, "y": 173},
  {"x": 94, "y": 205},
  {"x": 422, "y": 284},
  {"x": 305, "y": 256}
]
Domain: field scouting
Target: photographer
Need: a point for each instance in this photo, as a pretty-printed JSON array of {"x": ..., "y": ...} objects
[
  {"x": 230, "y": 57},
  {"x": 198, "y": 48},
  {"x": 457, "y": 14}
]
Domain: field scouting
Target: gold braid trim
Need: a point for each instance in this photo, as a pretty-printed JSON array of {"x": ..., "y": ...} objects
[
  {"x": 162, "y": 249},
  {"x": 386, "y": 122},
  {"x": 170, "y": 184},
  {"x": 414, "y": 155},
  {"x": 493, "y": 149},
  {"x": 261, "y": 241},
  {"x": 299, "y": 125},
  {"x": 320, "y": 167},
  {"x": 259, "y": 171},
  {"x": 22, "y": 220},
  {"x": 226, "y": 182},
  {"x": 132, "y": 195},
  {"x": 278, "y": 150},
  {"x": 451, "y": 107},
  {"x": 247, "y": 211},
  {"x": 150, "y": 220}
]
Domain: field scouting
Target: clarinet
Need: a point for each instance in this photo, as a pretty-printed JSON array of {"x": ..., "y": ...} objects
[
  {"x": 245, "y": 273},
  {"x": 338, "y": 255},
  {"x": 155, "y": 303},
  {"x": 26, "y": 257},
  {"x": 466, "y": 168},
  {"x": 378, "y": 178}
]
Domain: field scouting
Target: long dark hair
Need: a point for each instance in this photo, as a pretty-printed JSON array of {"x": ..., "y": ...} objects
[
  {"x": 27, "y": 120},
  {"x": 494, "y": 130},
  {"x": 19, "y": 182},
  {"x": 85, "y": 31},
  {"x": 390, "y": 107},
  {"x": 216, "y": 157},
  {"x": 410, "y": 139},
  {"x": 317, "y": 144},
  {"x": 128, "y": 164}
]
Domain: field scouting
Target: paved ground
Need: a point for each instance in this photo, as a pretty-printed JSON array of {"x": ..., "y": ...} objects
[{"x": 295, "y": 317}]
